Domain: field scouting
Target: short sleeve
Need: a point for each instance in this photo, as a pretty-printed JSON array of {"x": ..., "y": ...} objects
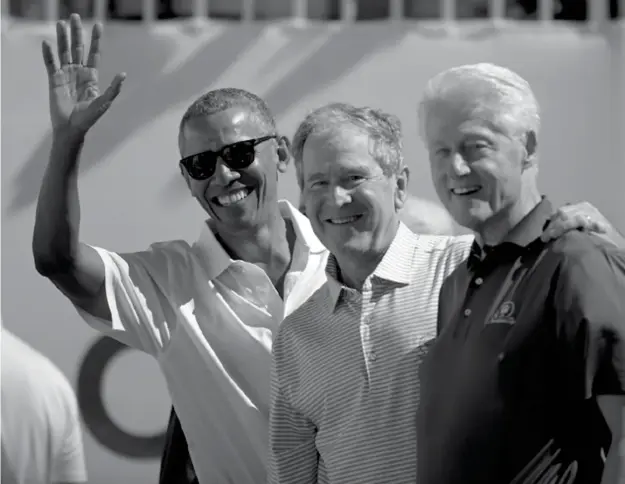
[
  {"x": 141, "y": 290},
  {"x": 590, "y": 313},
  {"x": 68, "y": 456}
]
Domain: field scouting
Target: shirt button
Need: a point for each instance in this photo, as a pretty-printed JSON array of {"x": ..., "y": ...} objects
[
  {"x": 479, "y": 281},
  {"x": 467, "y": 313},
  {"x": 372, "y": 356},
  {"x": 501, "y": 356}
]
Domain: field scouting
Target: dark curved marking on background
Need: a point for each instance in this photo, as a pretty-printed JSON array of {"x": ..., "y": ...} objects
[
  {"x": 335, "y": 59},
  {"x": 143, "y": 98},
  {"x": 91, "y": 375}
]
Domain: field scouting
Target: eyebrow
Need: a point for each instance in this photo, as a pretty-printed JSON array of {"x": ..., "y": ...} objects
[
  {"x": 344, "y": 171},
  {"x": 315, "y": 176},
  {"x": 478, "y": 137},
  {"x": 471, "y": 136}
]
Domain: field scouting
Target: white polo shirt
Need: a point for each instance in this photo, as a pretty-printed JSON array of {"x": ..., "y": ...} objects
[
  {"x": 41, "y": 434},
  {"x": 209, "y": 322}
]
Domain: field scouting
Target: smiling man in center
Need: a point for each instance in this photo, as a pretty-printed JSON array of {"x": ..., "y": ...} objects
[{"x": 345, "y": 386}]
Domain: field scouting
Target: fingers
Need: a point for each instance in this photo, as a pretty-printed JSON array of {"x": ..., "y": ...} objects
[
  {"x": 62, "y": 43},
  {"x": 555, "y": 229},
  {"x": 116, "y": 86},
  {"x": 595, "y": 226},
  {"x": 94, "y": 49},
  {"x": 102, "y": 103},
  {"x": 561, "y": 223},
  {"x": 48, "y": 58},
  {"x": 78, "y": 46}
]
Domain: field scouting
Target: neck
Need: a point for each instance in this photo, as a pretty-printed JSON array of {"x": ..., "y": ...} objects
[
  {"x": 495, "y": 229},
  {"x": 355, "y": 268},
  {"x": 265, "y": 243}
]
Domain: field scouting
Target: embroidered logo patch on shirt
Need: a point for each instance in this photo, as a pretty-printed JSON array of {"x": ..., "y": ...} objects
[{"x": 504, "y": 314}]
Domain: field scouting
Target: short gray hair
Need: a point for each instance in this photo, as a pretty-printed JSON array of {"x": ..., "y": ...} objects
[
  {"x": 383, "y": 129},
  {"x": 497, "y": 88}
]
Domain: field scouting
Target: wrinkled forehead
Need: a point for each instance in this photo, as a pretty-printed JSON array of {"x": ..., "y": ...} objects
[
  {"x": 203, "y": 133},
  {"x": 463, "y": 113},
  {"x": 336, "y": 150}
]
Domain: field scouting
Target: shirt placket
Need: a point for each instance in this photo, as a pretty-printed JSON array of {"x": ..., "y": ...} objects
[
  {"x": 366, "y": 316},
  {"x": 256, "y": 287}
]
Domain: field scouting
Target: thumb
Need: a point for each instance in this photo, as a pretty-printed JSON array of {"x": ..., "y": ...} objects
[
  {"x": 101, "y": 104},
  {"x": 600, "y": 227}
]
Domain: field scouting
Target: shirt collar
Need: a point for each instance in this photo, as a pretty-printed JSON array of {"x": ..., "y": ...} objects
[
  {"x": 532, "y": 225},
  {"x": 528, "y": 230},
  {"x": 395, "y": 266},
  {"x": 218, "y": 260}
]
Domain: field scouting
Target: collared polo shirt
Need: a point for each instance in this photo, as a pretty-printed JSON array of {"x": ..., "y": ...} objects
[
  {"x": 530, "y": 335},
  {"x": 41, "y": 433},
  {"x": 209, "y": 321},
  {"x": 345, "y": 383}
]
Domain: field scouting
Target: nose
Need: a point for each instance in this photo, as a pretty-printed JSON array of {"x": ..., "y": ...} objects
[
  {"x": 224, "y": 175},
  {"x": 341, "y": 196},
  {"x": 459, "y": 165}
]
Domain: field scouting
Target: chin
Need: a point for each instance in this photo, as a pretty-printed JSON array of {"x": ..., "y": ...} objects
[
  {"x": 356, "y": 245},
  {"x": 470, "y": 221}
]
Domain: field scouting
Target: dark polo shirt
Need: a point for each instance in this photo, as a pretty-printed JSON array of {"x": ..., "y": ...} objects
[{"x": 530, "y": 334}]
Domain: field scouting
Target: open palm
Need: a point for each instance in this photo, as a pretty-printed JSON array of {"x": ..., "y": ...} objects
[{"x": 75, "y": 99}]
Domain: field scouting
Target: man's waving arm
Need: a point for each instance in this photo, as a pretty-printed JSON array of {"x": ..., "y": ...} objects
[{"x": 75, "y": 106}]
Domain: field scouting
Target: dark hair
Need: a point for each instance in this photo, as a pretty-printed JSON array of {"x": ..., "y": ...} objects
[{"x": 219, "y": 100}]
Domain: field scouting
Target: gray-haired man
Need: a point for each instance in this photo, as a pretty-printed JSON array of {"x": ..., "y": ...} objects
[{"x": 345, "y": 384}]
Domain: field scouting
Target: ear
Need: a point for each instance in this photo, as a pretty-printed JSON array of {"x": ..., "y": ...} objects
[
  {"x": 183, "y": 172},
  {"x": 531, "y": 145},
  {"x": 401, "y": 190},
  {"x": 186, "y": 176},
  {"x": 284, "y": 153}
]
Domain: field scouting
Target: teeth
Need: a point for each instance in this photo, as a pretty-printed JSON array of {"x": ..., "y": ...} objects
[
  {"x": 233, "y": 197},
  {"x": 344, "y": 220},
  {"x": 464, "y": 191}
]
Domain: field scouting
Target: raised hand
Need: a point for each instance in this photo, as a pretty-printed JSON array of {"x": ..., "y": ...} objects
[{"x": 75, "y": 100}]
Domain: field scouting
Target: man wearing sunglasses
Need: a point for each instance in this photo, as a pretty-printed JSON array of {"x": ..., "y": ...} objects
[
  {"x": 208, "y": 311},
  {"x": 205, "y": 311}
]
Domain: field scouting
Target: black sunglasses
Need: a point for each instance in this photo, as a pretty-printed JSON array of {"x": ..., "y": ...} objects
[{"x": 236, "y": 156}]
